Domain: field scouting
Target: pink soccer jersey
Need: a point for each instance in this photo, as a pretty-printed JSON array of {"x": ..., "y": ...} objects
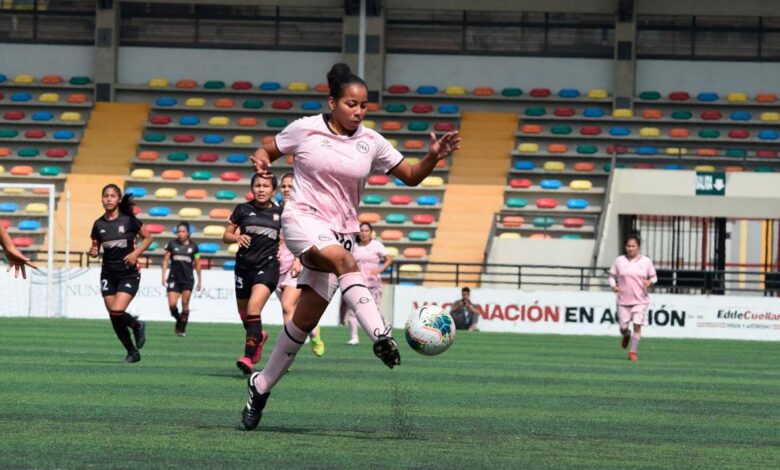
[
  {"x": 629, "y": 276},
  {"x": 331, "y": 170},
  {"x": 286, "y": 258},
  {"x": 368, "y": 258}
]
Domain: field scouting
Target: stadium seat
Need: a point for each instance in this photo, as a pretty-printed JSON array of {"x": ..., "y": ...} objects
[
  {"x": 704, "y": 168},
  {"x": 237, "y": 158},
  {"x": 711, "y": 115},
  {"x": 77, "y": 98},
  {"x": 391, "y": 125},
  {"x": 739, "y": 134},
  {"x": 557, "y": 148},
  {"x": 43, "y": 116},
  {"x": 673, "y": 166},
  {"x": 540, "y": 92},
  {"x": 8, "y": 207},
  {"x": 581, "y": 185},
  {"x": 378, "y": 180},
  {"x": 195, "y": 102},
  {"x": 208, "y": 248},
  {"x": 652, "y": 114},
  {"x": 564, "y": 112},
  {"x": 186, "y": 138},
  {"x": 449, "y": 109},
  {"x": 214, "y": 230},
  {"x": 5, "y": 152},
  {"x": 550, "y": 184},
  {"x": 524, "y": 165},
  {"x": 587, "y": 149},
  {"x": 270, "y": 86},
  {"x": 520, "y": 183},
  {"x": 528, "y": 147},
  {"x": 247, "y": 121},
  {"x": 398, "y": 89},
  {"x": 136, "y": 191},
  {"x": 554, "y": 166},
  {"x": 372, "y": 107},
  {"x": 373, "y": 199},
  {"x": 573, "y": 222},
  {"x": 159, "y": 211},
  {"x": 546, "y": 203},
  {"x": 242, "y": 139},
  {"x": 543, "y": 222},
  {"x": 423, "y": 219},
  {"x": 40, "y": 134},
  {"x": 190, "y": 212},
  {"x": 13, "y": 115},
  {"x": 427, "y": 90},
  {"x": 219, "y": 121},
  {"x": 649, "y": 132},
  {"x": 414, "y": 144},
  {"x": 619, "y": 131},
  {"x": 577, "y": 204},
  {"x": 24, "y": 79},
  {"x": 560, "y": 130},
  {"x": 160, "y": 120},
  {"x": 166, "y": 193},
  {"x": 142, "y": 173},
  {"x": 706, "y": 152},
  {"x": 23, "y": 97},
  {"x": 22, "y": 242},
  {"x": 512, "y": 221},
  {"x": 177, "y": 157},
  {"x": 455, "y": 90},
  {"x": 276, "y": 123},
  {"x": 516, "y": 202},
  {"x": 51, "y": 79},
  {"x": 679, "y": 96},
  {"x": 157, "y": 83},
  {"x": 396, "y": 218},
  {"x": 414, "y": 252},
  {"x": 369, "y": 217},
  {"x": 8, "y": 133},
  {"x": 584, "y": 166},
  {"x": 766, "y": 98},
  {"x": 50, "y": 171},
  {"x": 768, "y": 135},
  {"x": 679, "y": 132},
  {"x": 770, "y": 116},
  {"x": 511, "y": 92},
  {"x": 531, "y": 129},
  {"x": 241, "y": 85},
  {"x": 422, "y": 108},
  {"x": 57, "y": 152},
  {"x": 230, "y": 176},
  {"x": 646, "y": 150},
  {"x": 535, "y": 111},
  {"x": 21, "y": 170},
  {"x": 483, "y": 91},
  {"x": 224, "y": 103},
  {"x": 225, "y": 195},
  {"x": 391, "y": 235},
  {"x": 426, "y": 200},
  {"x": 650, "y": 95},
  {"x": 29, "y": 225},
  {"x": 741, "y": 116},
  {"x": 598, "y": 94},
  {"x": 707, "y": 96},
  {"x": 709, "y": 133},
  {"x": 682, "y": 114},
  {"x": 219, "y": 213},
  {"x": 417, "y": 126},
  {"x": 622, "y": 113},
  {"x": 148, "y": 155},
  {"x": 282, "y": 104},
  {"x": 593, "y": 113},
  {"x": 419, "y": 236},
  {"x": 676, "y": 151},
  {"x": 368, "y": 123},
  {"x": 186, "y": 84},
  {"x": 590, "y": 130},
  {"x": 298, "y": 86},
  {"x": 733, "y": 169},
  {"x": 28, "y": 152},
  {"x": 568, "y": 93},
  {"x": 509, "y": 235},
  {"x": 736, "y": 153},
  {"x": 766, "y": 153},
  {"x": 311, "y": 105},
  {"x": 736, "y": 97}
]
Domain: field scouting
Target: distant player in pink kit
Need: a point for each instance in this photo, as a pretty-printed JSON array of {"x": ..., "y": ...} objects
[
  {"x": 333, "y": 156},
  {"x": 630, "y": 276},
  {"x": 372, "y": 259},
  {"x": 289, "y": 267}
]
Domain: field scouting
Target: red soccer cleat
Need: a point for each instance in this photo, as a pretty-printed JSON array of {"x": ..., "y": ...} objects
[
  {"x": 624, "y": 341},
  {"x": 632, "y": 356},
  {"x": 259, "y": 351},
  {"x": 244, "y": 364}
]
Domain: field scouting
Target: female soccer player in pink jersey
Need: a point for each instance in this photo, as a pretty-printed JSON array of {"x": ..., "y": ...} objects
[
  {"x": 372, "y": 259},
  {"x": 333, "y": 156},
  {"x": 16, "y": 260},
  {"x": 630, "y": 276},
  {"x": 289, "y": 267}
]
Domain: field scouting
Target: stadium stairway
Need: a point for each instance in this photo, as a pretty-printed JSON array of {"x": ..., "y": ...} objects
[
  {"x": 474, "y": 193},
  {"x": 104, "y": 156}
]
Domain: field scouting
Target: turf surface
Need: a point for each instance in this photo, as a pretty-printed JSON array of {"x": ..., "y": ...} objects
[{"x": 492, "y": 401}]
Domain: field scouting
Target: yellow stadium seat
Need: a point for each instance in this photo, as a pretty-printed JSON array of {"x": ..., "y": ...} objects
[
  {"x": 190, "y": 213},
  {"x": 393, "y": 142},
  {"x": 142, "y": 173},
  {"x": 2, "y": 169},
  {"x": 676, "y": 151},
  {"x": 554, "y": 166},
  {"x": 158, "y": 83},
  {"x": 166, "y": 193},
  {"x": 392, "y": 251},
  {"x": 736, "y": 97},
  {"x": 13, "y": 191},
  {"x": 37, "y": 208},
  {"x": 581, "y": 185},
  {"x": 233, "y": 248},
  {"x": 704, "y": 168},
  {"x": 432, "y": 182},
  {"x": 213, "y": 230},
  {"x": 598, "y": 94},
  {"x": 49, "y": 97},
  {"x": 298, "y": 86},
  {"x": 770, "y": 116},
  {"x": 455, "y": 90},
  {"x": 622, "y": 113},
  {"x": 195, "y": 102},
  {"x": 219, "y": 121},
  {"x": 369, "y": 124},
  {"x": 242, "y": 139},
  {"x": 410, "y": 268},
  {"x": 70, "y": 116},
  {"x": 528, "y": 147},
  {"x": 649, "y": 132},
  {"x": 24, "y": 78},
  {"x": 511, "y": 235},
  {"x": 412, "y": 160}
]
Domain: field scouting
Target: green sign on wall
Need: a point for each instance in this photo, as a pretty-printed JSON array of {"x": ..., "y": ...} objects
[{"x": 710, "y": 183}]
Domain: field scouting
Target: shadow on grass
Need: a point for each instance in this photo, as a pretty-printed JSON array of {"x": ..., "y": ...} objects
[{"x": 343, "y": 433}]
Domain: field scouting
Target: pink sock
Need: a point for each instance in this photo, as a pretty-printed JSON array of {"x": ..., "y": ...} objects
[
  {"x": 635, "y": 341},
  {"x": 352, "y": 322},
  {"x": 358, "y": 299},
  {"x": 287, "y": 345}
]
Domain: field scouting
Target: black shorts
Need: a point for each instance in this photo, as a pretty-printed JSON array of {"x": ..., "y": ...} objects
[
  {"x": 246, "y": 277},
  {"x": 179, "y": 286},
  {"x": 111, "y": 283}
]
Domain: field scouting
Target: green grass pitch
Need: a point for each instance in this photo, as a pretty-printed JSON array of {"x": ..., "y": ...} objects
[{"x": 492, "y": 401}]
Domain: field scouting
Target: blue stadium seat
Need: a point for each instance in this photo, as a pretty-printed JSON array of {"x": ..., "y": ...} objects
[
  {"x": 229, "y": 265},
  {"x": 270, "y": 86},
  {"x": 550, "y": 184},
  {"x": 3, "y": 78},
  {"x": 189, "y": 120},
  {"x": 8, "y": 207},
  {"x": 646, "y": 150},
  {"x": 593, "y": 112},
  {"x": 165, "y": 101},
  {"x": 768, "y": 135},
  {"x": 311, "y": 105},
  {"x": 213, "y": 139},
  {"x": 21, "y": 96},
  {"x": 427, "y": 90},
  {"x": 398, "y": 182},
  {"x": 673, "y": 166},
  {"x": 524, "y": 165},
  {"x": 42, "y": 116},
  {"x": 740, "y": 116},
  {"x": 64, "y": 135},
  {"x": 208, "y": 248},
  {"x": 427, "y": 200},
  {"x": 237, "y": 158},
  {"x": 707, "y": 96},
  {"x": 136, "y": 191},
  {"x": 569, "y": 93},
  {"x": 159, "y": 211},
  {"x": 619, "y": 131},
  {"x": 29, "y": 225},
  {"x": 449, "y": 109},
  {"x": 577, "y": 204}
]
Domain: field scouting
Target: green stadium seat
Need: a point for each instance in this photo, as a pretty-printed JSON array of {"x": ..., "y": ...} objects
[
  {"x": 178, "y": 156},
  {"x": 561, "y": 130},
  {"x": 8, "y": 133},
  {"x": 608, "y": 166},
  {"x": 764, "y": 169},
  {"x": 396, "y": 218},
  {"x": 253, "y": 104},
  {"x": 419, "y": 235},
  {"x": 511, "y": 92},
  {"x": 277, "y": 122},
  {"x": 79, "y": 80},
  {"x": 225, "y": 195},
  {"x": 650, "y": 95},
  {"x": 50, "y": 171},
  {"x": 395, "y": 108},
  {"x": 543, "y": 222},
  {"x": 214, "y": 85},
  {"x": 587, "y": 149},
  {"x": 681, "y": 114},
  {"x": 201, "y": 175},
  {"x": 709, "y": 133},
  {"x": 516, "y": 202},
  {"x": 736, "y": 153},
  {"x": 28, "y": 152},
  {"x": 418, "y": 126},
  {"x": 154, "y": 137},
  {"x": 535, "y": 111},
  {"x": 373, "y": 199}
]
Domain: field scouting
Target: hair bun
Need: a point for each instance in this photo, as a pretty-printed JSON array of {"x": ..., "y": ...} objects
[{"x": 338, "y": 70}]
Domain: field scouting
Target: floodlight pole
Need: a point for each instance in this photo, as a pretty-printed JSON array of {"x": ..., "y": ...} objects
[{"x": 362, "y": 40}]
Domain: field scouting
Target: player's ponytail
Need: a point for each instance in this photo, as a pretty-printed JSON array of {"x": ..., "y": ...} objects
[{"x": 340, "y": 76}]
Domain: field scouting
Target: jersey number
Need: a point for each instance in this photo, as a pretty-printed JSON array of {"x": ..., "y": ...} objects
[
  {"x": 346, "y": 242},
  {"x": 239, "y": 282},
  {"x": 104, "y": 284}
]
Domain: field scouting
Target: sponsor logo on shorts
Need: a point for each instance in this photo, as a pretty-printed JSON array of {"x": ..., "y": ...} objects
[
  {"x": 127, "y": 284},
  {"x": 363, "y": 300},
  {"x": 362, "y": 147}
]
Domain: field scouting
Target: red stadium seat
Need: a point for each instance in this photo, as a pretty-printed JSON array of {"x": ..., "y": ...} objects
[
  {"x": 249, "y": 196},
  {"x": 183, "y": 138},
  {"x": 573, "y": 222},
  {"x": 155, "y": 228},
  {"x": 739, "y": 134},
  {"x": 540, "y": 92},
  {"x": 22, "y": 242},
  {"x": 136, "y": 210},
  {"x": 441, "y": 164},
  {"x": 643, "y": 166},
  {"x": 398, "y": 89},
  {"x": 282, "y": 104},
  {"x": 422, "y": 108},
  {"x": 679, "y": 96},
  {"x": 546, "y": 203},
  {"x": 13, "y": 115},
  {"x": 616, "y": 149},
  {"x": 241, "y": 85},
  {"x": 564, "y": 112},
  {"x": 5, "y": 223},
  {"x": 400, "y": 199},
  {"x": 422, "y": 219},
  {"x": 590, "y": 130},
  {"x": 160, "y": 120},
  {"x": 520, "y": 183},
  {"x": 444, "y": 126},
  {"x": 378, "y": 180},
  {"x": 766, "y": 153},
  {"x": 207, "y": 157},
  {"x": 35, "y": 134},
  {"x": 711, "y": 115},
  {"x": 57, "y": 153},
  {"x": 230, "y": 176}
]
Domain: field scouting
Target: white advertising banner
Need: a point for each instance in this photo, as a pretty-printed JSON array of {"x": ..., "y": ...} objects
[
  {"x": 216, "y": 303},
  {"x": 594, "y": 313}
]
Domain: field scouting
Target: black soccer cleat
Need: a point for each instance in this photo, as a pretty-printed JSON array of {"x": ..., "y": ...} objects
[
  {"x": 139, "y": 331},
  {"x": 132, "y": 357},
  {"x": 253, "y": 411},
  {"x": 386, "y": 349}
]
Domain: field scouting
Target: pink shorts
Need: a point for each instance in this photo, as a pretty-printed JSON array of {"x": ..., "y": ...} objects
[
  {"x": 303, "y": 231},
  {"x": 285, "y": 280},
  {"x": 636, "y": 314}
]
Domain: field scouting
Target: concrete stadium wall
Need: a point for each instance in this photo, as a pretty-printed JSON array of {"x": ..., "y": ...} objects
[
  {"x": 695, "y": 76},
  {"x": 43, "y": 59}
]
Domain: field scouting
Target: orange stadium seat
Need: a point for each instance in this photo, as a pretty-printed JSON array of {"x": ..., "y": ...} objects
[
  {"x": 734, "y": 169},
  {"x": 322, "y": 88},
  {"x": 540, "y": 236},
  {"x": 414, "y": 144},
  {"x": 483, "y": 91},
  {"x": 373, "y": 107},
  {"x": 5, "y": 151},
  {"x": 391, "y": 126},
  {"x": 219, "y": 213},
  {"x": 51, "y": 79},
  {"x": 77, "y": 98},
  {"x": 267, "y": 139},
  {"x": 172, "y": 175},
  {"x": 196, "y": 194},
  {"x": 415, "y": 252},
  {"x": 679, "y": 132},
  {"x": 557, "y": 148},
  {"x": 21, "y": 170},
  {"x": 706, "y": 152},
  {"x": 766, "y": 97},
  {"x": 369, "y": 217},
  {"x": 148, "y": 155},
  {"x": 186, "y": 84},
  {"x": 652, "y": 114},
  {"x": 513, "y": 221},
  {"x": 531, "y": 129},
  {"x": 584, "y": 166},
  {"x": 224, "y": 103},
  {"x": 247, "y": 122}
]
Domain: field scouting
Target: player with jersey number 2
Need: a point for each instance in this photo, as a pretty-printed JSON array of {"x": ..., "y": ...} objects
[{"x": 333, "y": 154}]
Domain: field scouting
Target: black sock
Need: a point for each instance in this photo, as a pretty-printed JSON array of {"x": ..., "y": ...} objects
[
  {"x": 175, "y": 312},
  {"x": 120, "y": 328},
  {"x": 254, "y": 333},
  {"x": 129, "y": 320},
  {"x": 185, "y": 316}
]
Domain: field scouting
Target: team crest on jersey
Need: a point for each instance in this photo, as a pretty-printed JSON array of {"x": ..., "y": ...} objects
[
  {"x": 276, "y": 217},
  {"x": 121, "y": 229},
  {"x": 362, "y": 147}
]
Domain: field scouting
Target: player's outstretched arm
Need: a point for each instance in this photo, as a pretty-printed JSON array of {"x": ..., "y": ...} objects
[
  {"x": 16, "y": 260},
  {"x": 412, "y": 175}
]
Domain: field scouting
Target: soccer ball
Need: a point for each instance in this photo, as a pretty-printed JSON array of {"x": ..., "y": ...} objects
[{"x": 430, "y": 330}]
